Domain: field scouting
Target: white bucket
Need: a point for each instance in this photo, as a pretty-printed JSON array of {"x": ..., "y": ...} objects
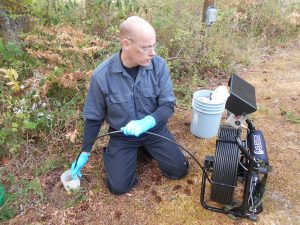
[
  {"x": 68, "y": 181},
  {"x": 206, "y": 115}
]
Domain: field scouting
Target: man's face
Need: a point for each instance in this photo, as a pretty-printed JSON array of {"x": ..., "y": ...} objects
[{"x": 141, "y": 49}]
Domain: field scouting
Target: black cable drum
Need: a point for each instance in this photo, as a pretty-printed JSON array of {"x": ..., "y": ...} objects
[{"x": 224, "y": 176}]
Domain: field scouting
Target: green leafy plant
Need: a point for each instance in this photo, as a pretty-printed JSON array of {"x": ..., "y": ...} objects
[
  {"x": 13, "y": 56},
  {"x": 22, "y": 118},
  {"x": 12, "y": 76}
]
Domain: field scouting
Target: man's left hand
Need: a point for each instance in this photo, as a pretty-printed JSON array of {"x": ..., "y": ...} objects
[{"x": 137, "y": 127}]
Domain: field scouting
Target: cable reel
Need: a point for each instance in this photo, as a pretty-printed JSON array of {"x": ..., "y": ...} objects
[{"x": 237, "y": 163}]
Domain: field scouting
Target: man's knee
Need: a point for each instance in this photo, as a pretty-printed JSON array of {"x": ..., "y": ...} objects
[
  {"x": 117, "y": 189},
  {"x": 121, "y": 187},
  {"x": 176, "y": 172}
]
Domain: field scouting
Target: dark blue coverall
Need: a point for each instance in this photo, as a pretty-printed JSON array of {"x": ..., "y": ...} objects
[{"x": 118, "y": 95}]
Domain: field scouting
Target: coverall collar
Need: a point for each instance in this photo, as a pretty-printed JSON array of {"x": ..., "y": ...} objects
[{"x": 118, "y": 67}]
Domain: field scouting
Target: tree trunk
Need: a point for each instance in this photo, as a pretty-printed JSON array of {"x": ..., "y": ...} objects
[{"x": 10, "y": 28}]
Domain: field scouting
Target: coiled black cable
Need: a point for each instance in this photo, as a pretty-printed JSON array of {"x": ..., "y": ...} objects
[{"x": 158, "y": 135}]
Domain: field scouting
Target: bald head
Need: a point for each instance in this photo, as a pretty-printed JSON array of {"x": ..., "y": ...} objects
[
  {"x": 138, "y": 40},
  {"x": 134, "y": 27}
]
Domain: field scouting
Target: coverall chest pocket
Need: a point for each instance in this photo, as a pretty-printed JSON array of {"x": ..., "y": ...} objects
[
  {"x": 150, "y": 99},
  {"x": 119, "y": 105}
]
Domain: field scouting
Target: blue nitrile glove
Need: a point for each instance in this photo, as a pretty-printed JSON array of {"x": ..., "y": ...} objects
[
  {"x": 82, "y": 160},
  {"x": 137, "y": 127}
]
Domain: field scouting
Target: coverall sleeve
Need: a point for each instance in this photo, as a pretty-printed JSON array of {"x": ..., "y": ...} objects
[
  {"x": 166, "y": 100},
  {"x": 95, "y": 104},
  {"x": 91, "y": 130}
]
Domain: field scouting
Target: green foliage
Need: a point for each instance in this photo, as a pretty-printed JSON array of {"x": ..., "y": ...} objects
[
  {"x": 77, "y": 197},
  {"x": 6, "y": 211},
  {"x": 265, "y": 20},
  {"x": 52, "y": 12},
  {"x": 290, "y": 116},
  {"x": 16, "y": 7},
  {"x": 242, "y": 28},
  {"x": 13, "y": 56},
  {"x": 33, "y": 186},
  {"x": 263, "y": 109},
  {"x": 12, "y": 77},
  {"x": 47, "y": 165},
  {"x": 10, "y": 51},
  {"x": 109, "y": 15},
  {"x": 101, "y": 17},
  {"x": 20, "y": 196},
  {"x": 29, "y": 120},
  {"x": 183, "y": 95},
  {"x": 23, "y": 118}
]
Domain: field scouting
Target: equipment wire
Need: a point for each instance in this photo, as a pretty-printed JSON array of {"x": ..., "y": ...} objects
[{"x": 154, "y": 134}]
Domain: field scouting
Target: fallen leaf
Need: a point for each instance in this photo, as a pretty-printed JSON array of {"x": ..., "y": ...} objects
[
  {"x": 118, "y": 215},
  {"x": 72, "y": 135},
  {"x": 153, "y": 192},
  {"x": 189, "y": 181},
  {"x": 158, "y": 199},
  {"x": 187, "y": 191},
  {"x": 177, "y": 187},
  {"x": 6, "y": 162}
]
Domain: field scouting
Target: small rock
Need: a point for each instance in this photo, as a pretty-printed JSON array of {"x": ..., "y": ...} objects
[
  {"x": 294, "y": 98},
  {"x": 276, "y": 101},
  {"x": 283, "y": 112}
]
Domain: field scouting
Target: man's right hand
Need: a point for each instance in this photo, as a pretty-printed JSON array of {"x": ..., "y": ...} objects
[{"x": 82, "y": 160}]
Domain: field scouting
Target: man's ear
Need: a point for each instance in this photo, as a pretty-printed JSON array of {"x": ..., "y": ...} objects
[{"x": 125, "y": 43}]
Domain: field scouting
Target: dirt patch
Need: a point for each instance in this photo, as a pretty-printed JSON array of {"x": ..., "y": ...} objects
[{"x": 54, "y": 189}]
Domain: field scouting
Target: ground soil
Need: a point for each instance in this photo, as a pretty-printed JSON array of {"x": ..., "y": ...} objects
[{"x": 157, "y": 200}]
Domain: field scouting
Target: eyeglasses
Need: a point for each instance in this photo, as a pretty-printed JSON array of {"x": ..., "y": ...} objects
[{"x": 145, "y": 49}]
